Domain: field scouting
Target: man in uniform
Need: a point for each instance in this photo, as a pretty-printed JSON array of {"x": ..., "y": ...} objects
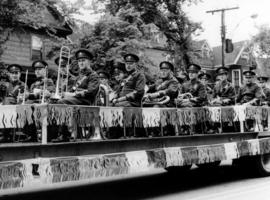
[
  {"x": 133, "y": 86},
  {"x": 15, "y": 86},
  {"x": 4, "y": 82},
  {"x": 181, "y": 75},
  {"x": 167, "y": 85},
  {"x": 194, "y": 88},
  {"x": 250, "y": 93},
  {"x": 205, "y": 78},
  {"x": 84, "y": 91},
  {"x": 87, "y": 84},
  {"x": 265, "y": 90},
  {"x": 224, "y": 92},
  {"x": 36, "y": 95},
  {"x": 104, "y": 80},
  {"x": 37, "y": 88}
]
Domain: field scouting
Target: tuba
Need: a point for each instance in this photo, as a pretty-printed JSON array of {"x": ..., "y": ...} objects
[{"x": 64, "y": 53}]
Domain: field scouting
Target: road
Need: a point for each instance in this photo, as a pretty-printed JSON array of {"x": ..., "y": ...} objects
[{"x": 223, "y": 183}]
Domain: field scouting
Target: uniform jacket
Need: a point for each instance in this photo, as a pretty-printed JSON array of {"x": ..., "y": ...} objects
[
  {"x": 39, "y": 84},
  {"x": 14, "y": 87},
  {"x": 168, "y": 86},
  {"x": 133, "y": 88},
  {"x": 225, "y": 90},
  {"x": 198, "y": 91},
  {"x": 266, "y": 94},
  {"x": 248, "y": 93},
  {"x": 88, "y": 84},
  {"x": 71, "y": 83}
]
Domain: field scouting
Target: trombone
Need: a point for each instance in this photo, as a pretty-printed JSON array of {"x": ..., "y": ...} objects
[{"x": 64, "y": 53}]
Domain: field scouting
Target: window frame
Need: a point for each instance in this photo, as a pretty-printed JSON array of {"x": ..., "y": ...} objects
[
  {"x": 233, "y": 77},
  {"x": 32, "y": 49}
]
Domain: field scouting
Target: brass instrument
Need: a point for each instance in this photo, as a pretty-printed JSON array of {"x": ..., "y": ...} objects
[
  {"x": 25, "y": 86},
  {"x": 183, "y": 99},
  {"x": 156, "y": 101},
  {"x": 64, "y": 53},
  {"x": 185, "y": 96},
  {"x": 44, "y": 85}
]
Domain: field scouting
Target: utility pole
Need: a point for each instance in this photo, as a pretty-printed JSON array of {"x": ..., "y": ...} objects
[{"x": 223, "y": 30}]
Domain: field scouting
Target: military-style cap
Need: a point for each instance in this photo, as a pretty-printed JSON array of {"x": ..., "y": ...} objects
[
  {"x": 204, "y": 75},
  {"x": 193, "y": 68},
  {"x": 222, "y": 70},
  {"x": 39, "y": 64},
  {"x": 83, "y": 53},
  {"x": 103, "y": 74},
  {"x": 14, "y": 68},
  {"x": 249, "y": 73},
  {"x": 262, "y": 78},
  {"x": 65, "y": 59},
  {"x": 131, "y": 58},
  {"x": 166, "y": 65}
]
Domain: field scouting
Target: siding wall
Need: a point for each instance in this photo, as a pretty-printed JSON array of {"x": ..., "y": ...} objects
[{"x": 17, "y": 50}]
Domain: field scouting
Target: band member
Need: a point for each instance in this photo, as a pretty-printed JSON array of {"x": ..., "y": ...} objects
[
  {"x": 192, "y": 88},
  {"x": 16, "y": 86},
  {"x": 250, "y": 93},
  {"x": 181, "y": 75},
  {"x": 133, "y": 86},
  {"x": 224, "y": 92},
  {"x": 205, "y": 78},
  {"x": 87, "y": 84},
  {"x": 4, "y": 82},
  {"x": 67, "y": 79},
  {"x": 167, "y": 85},
  {"x": 43, "y": 82},
  {"x": 265, "y": 90},
  {"x": 104, "y": 80}
]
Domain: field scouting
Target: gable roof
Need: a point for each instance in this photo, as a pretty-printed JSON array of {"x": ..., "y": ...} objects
[
  {"x": 230, "y": 58},
  {"x": 52, "y": 21},
  {"x": 197, "y": 44},
  {"x": 196, "y": 54}
]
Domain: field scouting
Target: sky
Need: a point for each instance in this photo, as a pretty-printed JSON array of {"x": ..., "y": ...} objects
[{"x": 239, "y": 24}]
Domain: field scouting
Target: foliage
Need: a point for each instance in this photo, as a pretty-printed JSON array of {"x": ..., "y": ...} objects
[
  {"x": 167, "y": 16},
  {"x": 117, "y": 35},
  {"x": 18, "y": 14},
  {"x": 261, "y": 41}
]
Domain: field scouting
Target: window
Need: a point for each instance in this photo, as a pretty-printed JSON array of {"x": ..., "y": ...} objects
[
  {"x": 36, "y": 47},
  {"x": 236, "y": 77}
]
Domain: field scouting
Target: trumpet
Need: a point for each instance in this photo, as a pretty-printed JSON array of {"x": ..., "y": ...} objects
[{"x": 64, "y": 53}]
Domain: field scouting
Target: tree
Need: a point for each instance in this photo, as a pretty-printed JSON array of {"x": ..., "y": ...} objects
[
  {"x": 168, "y": 16},
  {"x": 116, "y": 35},
  {"x": 261, "y": 41}
]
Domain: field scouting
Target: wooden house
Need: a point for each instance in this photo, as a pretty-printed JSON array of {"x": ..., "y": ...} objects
[{"x": 27, "y": 43}]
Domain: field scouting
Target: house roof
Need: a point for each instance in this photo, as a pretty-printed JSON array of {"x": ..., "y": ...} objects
[
  {"x": 230, "y": 58},
  {"x": 197, "y": 44},
  {"x": 52, "y": 20},
  {"x": 196, "y": 55}
]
